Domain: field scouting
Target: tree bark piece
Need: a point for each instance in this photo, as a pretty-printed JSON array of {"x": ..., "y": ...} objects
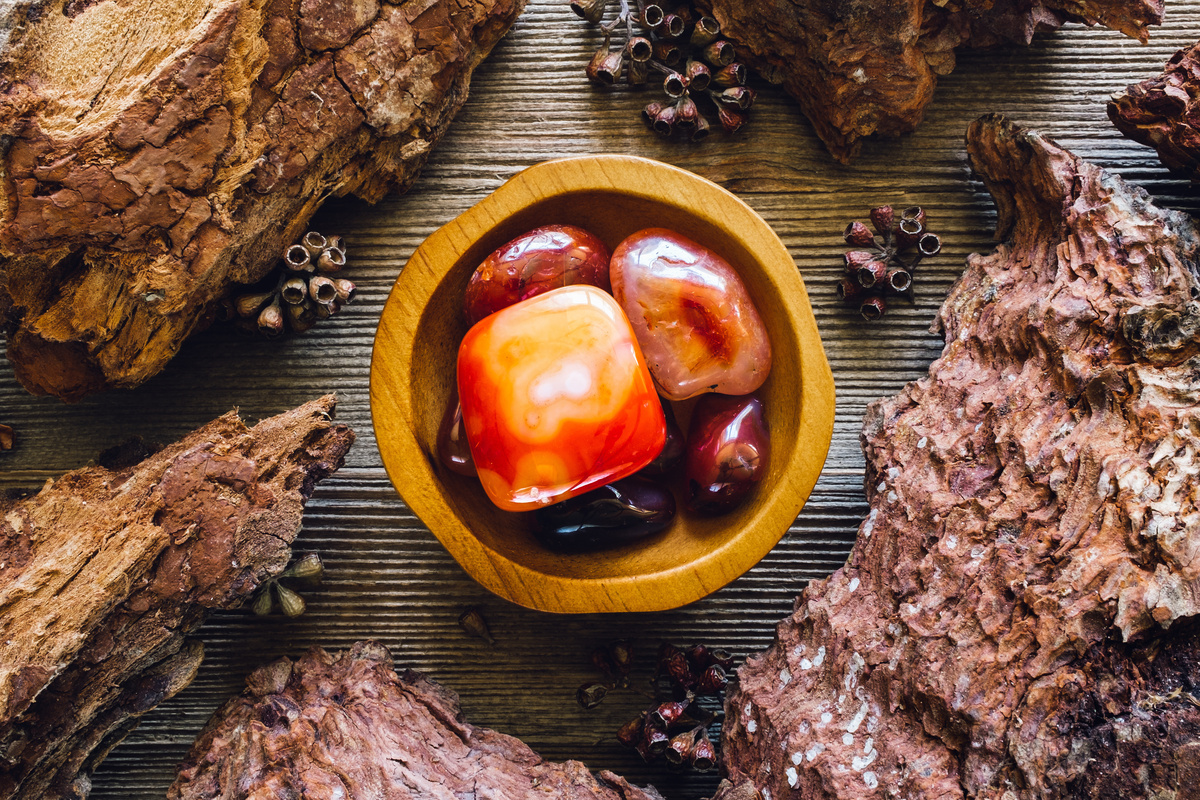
[
  {"x": 860, "y": 67},
  {"x": 349, "y": 726},
  {"x": 1018, "y": 616},
  {"x": 147, "y": 174},
  {"x": 1162, "y": 112},
  {"x": 105, "y": 571}
]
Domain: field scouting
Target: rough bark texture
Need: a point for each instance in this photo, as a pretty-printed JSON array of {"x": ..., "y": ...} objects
[
  {"x": 1163, "y": 113},
  {"x": 349, "y": 726},
  {"x": 862, "y": 67},
  {"x": 1018, "y": 616},
  {"x": 143, "y": 175},
  {"x": 105, "y": 570}
]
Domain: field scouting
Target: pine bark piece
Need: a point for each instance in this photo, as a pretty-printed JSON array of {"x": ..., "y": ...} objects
[
  {"x": 860, "y": 68},
  {"x": 348, "y": 725},
  {"x": 105, "y": 571},
  {"x": 1162, "y": 113},
  {"x": 1018, "y": 617},
  {"x": 147, "y": 174}
]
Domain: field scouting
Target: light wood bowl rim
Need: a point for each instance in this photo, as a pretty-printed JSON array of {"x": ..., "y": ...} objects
[{"x": 392, "y": 403}]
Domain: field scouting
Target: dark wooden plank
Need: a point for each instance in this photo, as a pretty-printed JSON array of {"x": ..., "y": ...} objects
[{"x": 388, "y": 577}]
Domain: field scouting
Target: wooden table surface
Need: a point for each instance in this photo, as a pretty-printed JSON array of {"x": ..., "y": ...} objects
[{"x": 388, "y": 578}]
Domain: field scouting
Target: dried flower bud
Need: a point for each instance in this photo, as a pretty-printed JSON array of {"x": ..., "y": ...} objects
[
  {"x": 929, "y": 245},
  {"x": 882, "y": 219},
  {"x": 307, "y": 568},
  {"x": 675, "y": 85},
  {"x": 666, "y": 652},
  {"x": 248, "y": 305},
  {"x": 677, "y": 670},
  {"x": 907, "y": 231},
  {"x": 664, "y": 123},
  {"x": 899, "y": 280},
  {"x": 270, "y": 320},
  {"x": 665, "y": 714},
  {"x": 705, "y": 32},
  {"x": 730, "y": 75},
  {"x": 299, "y": 317},
  {"x": 322, "y": 290},
  {"x": 686, "y": 113},
  {"x": 621, "y": 653},
  {"x": 722, "y": 656},
  {"x": 702, "y": 129},
  {"x": 335, "y": 243},
  {"x": 914, "y": 212},
  {"x": 639, "y": 48},
  {"x": 704, "y": 756},
  {"x": 294, "y": 290},
  {"x": 858, "y": 258},
  {"x": 673, "y": 26},
  {"x": 720, "y": 53},
  {"x": 873, "y": 308},
  {"x": 697, "y": 656},
  {"x": 651, "y": 111},
  {"x": 858, "y": 235},
  {"x": 731, "y": 120},
  {"x": 591, "y": 10},
  {"x": 605, "y": 66},
  {"x": 471, "y": 620},
  {"x": 849, "y": 290},
  {"x": 653, "y": 742},
  {"x": 679, "y": 749},
  {"x": 591, "y": 695},
  {"x": 698, "y": 75},
  {"x": 264, "y": 603},
  {"x": 298, "y": 259},
  {"x": 713, "y": 680},
  {"x": 667, "y": 53},
  {"x": 346, "y": 291},
  {"x": 653, "y": 16},
  {"x": 314, "y": 243},
  {"x": 331, "y": 260},
  {"x": 630, "y": 733},
  {"x": 871, "y": 273},
  {"x": 740, "y": 97},
  {"x": 290, "y": 603}
]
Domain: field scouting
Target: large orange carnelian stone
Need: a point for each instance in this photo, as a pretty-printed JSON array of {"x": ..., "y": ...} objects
[{"x": 556, "y": 398}]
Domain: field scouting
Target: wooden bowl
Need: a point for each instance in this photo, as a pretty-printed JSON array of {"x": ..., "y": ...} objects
[{"x": 413, "y": 368}]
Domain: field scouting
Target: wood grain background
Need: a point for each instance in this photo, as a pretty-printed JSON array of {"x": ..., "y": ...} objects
[{"x": 388, "y": 577}]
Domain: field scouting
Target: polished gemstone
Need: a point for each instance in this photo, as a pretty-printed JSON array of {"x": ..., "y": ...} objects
[
  {"x": 545, "y": 258},
  {"x": 728, "y": 452},
  {"x": 556, "y": 398},
  {"x": 452, "y": 448},
  {"x": 693, "y": 317},
  {"x": 617, "y": 513}
]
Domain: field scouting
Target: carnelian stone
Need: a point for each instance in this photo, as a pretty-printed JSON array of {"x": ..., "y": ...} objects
[
  {"x": 693, "y": 317},
  {"x": 556, "y": 398},
  {"x": 534, "y": 263}
]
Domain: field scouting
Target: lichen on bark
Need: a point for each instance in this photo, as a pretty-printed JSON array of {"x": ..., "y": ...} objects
[
  {"x": 142, "y": 177},
  {"x": 1018, "y": 616}
]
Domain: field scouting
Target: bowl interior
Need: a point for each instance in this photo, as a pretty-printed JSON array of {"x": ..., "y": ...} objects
[{"x": 611, "y": 215}]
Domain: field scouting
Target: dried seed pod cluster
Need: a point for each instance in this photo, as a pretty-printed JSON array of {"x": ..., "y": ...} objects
[
  {"x": 6, "y": 437},
  {"x": 683, "y": 48},
  {"x": 897, "y": 244},
  {"x": 303, "y": 293},
  {"x": 307, "y": 570},
  {"x": 688, "y": 685}
]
